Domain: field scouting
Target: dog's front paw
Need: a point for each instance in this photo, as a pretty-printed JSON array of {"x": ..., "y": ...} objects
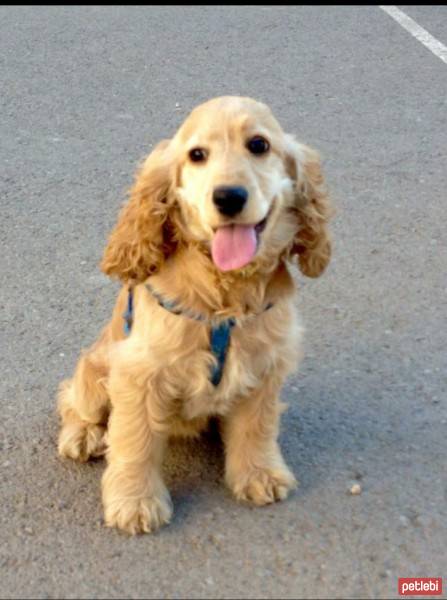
[
  {"x": 263, "y": 485},
  {"x": 139, "y": 515}
]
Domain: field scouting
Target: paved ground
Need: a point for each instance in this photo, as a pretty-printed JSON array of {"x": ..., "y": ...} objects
[{"x": 84, "y": 92}]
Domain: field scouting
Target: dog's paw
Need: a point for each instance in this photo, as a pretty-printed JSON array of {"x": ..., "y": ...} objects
[
  {"x": 80, "y": 441},
  {"x": 264, "y": 485},
  {"x": 139, "y": 515}
]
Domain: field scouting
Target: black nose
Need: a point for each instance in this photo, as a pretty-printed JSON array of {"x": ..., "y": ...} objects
[{"x": 230, "y": 200}]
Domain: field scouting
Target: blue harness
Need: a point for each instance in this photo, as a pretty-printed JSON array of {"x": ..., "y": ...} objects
[{"x": 220, "y": 335}]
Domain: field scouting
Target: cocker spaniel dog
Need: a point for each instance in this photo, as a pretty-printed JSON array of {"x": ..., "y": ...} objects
[{"x": 203, "y": 248}]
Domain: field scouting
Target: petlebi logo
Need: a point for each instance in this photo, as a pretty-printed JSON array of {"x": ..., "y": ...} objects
[{"x": 420, "y": 586}]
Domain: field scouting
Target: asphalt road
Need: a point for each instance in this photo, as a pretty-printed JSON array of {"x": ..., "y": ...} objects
[{"x": 85, "y": 91}]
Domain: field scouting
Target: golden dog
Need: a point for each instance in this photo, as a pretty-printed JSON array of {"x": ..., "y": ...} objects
[{"x": 203, "y": 247}]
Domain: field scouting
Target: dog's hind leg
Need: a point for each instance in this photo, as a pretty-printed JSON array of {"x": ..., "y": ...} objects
[
  {"x": 83, "y": 401},
  {"x": 84, "y": 406}
]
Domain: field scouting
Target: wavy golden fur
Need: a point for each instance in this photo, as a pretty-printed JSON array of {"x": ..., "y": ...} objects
[{"x": 130, "y": 394}]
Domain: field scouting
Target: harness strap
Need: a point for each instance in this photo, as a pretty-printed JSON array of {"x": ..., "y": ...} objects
[
  {"x": 220, "y": 335},
  {"x": 128, "y": 315}
]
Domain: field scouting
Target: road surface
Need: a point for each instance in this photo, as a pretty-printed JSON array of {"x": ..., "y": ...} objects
[{"x": 85, "y": 92}]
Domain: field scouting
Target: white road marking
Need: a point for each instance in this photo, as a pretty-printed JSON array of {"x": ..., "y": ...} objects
[{"x": 417, "y": 31}]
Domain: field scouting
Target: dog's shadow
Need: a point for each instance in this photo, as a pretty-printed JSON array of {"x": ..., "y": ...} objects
[{"x": 195, "y": 468}]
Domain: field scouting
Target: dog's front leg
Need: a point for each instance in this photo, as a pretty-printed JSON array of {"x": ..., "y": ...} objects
[
  {"x": 134, "y": 496},
  {"x": 255, "y": 469}
]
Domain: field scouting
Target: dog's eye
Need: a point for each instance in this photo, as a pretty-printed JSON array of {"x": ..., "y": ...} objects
[
  {"x": 258, "y": 145},
  {"x": 198, "y": 155}
]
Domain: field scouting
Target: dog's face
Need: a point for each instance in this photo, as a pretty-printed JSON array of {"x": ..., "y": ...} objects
[
  {"x": 238, "y": 185},
  {"x": 232, "y": 180}
]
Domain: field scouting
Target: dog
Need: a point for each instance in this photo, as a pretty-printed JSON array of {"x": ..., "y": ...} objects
[{"x": 216, "y": 217}]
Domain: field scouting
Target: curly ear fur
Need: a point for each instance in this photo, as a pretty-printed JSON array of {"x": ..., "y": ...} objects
[
  {"x": 140, "y": 240},
  {"x": 312, "y": 243}
]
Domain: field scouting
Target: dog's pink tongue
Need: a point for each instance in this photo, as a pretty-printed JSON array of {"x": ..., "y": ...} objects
[{"x": 233, "y": 246}]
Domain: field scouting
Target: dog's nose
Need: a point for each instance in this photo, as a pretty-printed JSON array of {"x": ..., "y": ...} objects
[{"x": 230, "y": 200}]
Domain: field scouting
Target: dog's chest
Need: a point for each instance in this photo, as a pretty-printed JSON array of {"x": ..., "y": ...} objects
[{"x": 254, "y": 350}]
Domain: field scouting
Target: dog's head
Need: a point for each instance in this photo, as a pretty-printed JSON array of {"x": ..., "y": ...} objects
[{"x": 231, "y": 181}]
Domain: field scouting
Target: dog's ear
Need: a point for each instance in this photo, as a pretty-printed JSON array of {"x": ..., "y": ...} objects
[
  {"x": 312, "y": 242},
  {"x": 141, "y": 238}
]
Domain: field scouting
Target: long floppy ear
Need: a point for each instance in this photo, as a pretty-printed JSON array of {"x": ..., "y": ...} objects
[
  {"x": 140, "y": 240},
  {"x": 312, "y": 242}
]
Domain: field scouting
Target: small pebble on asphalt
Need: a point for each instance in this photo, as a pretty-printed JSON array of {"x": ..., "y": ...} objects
[{"x": 356, "y": 489}]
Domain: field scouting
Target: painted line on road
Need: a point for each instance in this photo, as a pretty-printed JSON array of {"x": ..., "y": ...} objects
[{"x": 417, "y": 31}]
